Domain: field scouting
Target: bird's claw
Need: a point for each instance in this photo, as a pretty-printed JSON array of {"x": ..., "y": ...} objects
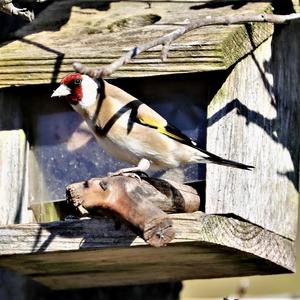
[{"x": 129, "y": 174}]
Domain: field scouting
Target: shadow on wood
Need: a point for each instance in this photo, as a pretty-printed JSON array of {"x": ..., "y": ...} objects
[{"x": 91, "y": 253}]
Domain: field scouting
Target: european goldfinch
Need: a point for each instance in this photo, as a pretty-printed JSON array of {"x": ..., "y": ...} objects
[{"x": 130, "y": 130}]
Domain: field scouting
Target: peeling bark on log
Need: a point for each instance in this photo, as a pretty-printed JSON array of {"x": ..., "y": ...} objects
[{"x": 138, "y": 204}]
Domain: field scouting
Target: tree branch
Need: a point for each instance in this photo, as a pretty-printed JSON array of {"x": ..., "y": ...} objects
[
  {"x": 168, "y": 38},
  {"x": 140, "y": 204}
]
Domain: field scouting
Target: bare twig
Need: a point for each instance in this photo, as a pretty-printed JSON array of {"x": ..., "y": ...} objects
[{"x": 168, "y": 38}]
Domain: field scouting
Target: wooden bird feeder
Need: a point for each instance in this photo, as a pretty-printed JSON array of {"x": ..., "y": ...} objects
[{"x": 231, "y": 88}]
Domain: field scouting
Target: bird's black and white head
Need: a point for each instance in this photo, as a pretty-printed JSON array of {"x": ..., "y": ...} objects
[{"x": 77, "y": 89}]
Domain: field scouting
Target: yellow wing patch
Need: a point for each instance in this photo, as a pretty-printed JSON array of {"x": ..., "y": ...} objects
[
  {"x": 162, "y": 129},
  {"x": 148, "y": 117},
  {"x": 148, "y": 122}
]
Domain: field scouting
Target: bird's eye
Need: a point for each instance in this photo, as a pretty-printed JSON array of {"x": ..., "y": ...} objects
[{"x": 77, "y": 81}]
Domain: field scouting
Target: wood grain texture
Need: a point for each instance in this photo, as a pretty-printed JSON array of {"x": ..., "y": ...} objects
[
  {"x": 47, "y": 48},
  {"x": 167, "y": 195},
  {"x": 205, "y": 246},
  {"x": 13, "y": 162},
  {"x": 141, "y": 203},
  {"x": 128, "y": 200},
  {"x": 254, "y": 118}
]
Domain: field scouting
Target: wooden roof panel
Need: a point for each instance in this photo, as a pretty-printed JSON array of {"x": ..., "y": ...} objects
[{"x": 96, "y": 33}]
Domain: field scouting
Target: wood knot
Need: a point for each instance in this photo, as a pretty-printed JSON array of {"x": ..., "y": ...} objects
[{"x": 133, "y": 22}]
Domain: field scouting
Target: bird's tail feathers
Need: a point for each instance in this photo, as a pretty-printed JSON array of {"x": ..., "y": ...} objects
[{"x": 212, "y": 158}]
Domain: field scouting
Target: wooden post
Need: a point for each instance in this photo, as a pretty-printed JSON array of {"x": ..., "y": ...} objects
[
  {"x": 255, "y": 119},
  {"x": 13, "y": 162},
  {"x": 13, "y": 190}
]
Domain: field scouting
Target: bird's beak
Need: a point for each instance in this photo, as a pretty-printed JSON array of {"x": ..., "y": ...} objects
[{"x": 62, "y": 90}]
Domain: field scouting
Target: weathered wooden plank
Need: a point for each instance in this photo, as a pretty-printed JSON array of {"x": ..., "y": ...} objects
[
  {"x": 13, "y": 186},
  {"x": 13, "y": 180},
  {"x": 254, "y": 118},
  {"x": 13, "y": 162},
  {"x": 185, "y": 263},
  {"x": 205, "y": 246},
  {"x": 148, "y": 65},
  {"x": 51, "y": 42},
  {"x": 154, "y": 71}
]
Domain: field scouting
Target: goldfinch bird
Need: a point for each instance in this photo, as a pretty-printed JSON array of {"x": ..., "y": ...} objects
[{"x": 130, "y": 130}]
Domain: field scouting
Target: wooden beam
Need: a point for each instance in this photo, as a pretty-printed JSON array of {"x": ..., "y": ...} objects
[{"x": 205, "y": 246}]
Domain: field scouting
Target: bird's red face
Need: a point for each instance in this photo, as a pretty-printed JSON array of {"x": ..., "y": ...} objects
[{"x": 71, "y": 88}]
